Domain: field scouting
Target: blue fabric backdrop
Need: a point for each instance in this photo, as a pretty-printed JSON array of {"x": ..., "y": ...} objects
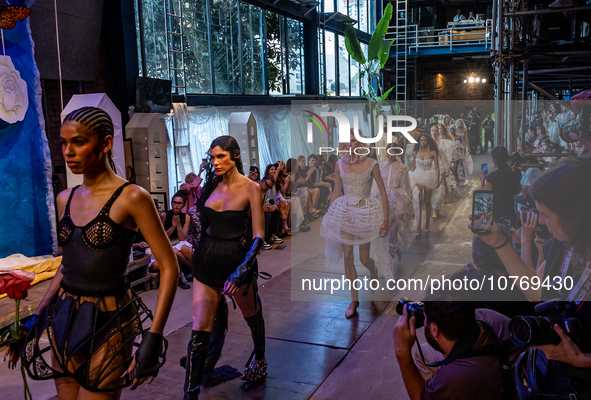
[{"x": 27, "y": 216}]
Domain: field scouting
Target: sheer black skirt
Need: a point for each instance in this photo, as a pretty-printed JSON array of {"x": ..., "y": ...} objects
[{"x": 87, "y": 338}]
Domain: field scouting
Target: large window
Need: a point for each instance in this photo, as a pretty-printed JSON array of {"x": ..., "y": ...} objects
[
  {"x": 226, "y": 46},
  {"x": 331, "y": 77},
  {"x": 156, "y": 46},
  {"x": 251, "y": 19},
  {"x": 295, "y": 56},
  {"x": 196, "y": 47},
  {"x": 344, "y": 83}
]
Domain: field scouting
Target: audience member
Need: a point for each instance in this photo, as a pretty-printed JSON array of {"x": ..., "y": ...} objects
[
  {"x": 459, "y": 16},
  {"x": 272, "y": 212}
]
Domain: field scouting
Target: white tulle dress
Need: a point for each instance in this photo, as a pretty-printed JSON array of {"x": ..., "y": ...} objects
[
  {"x": 400, "y": 209},
  {"x": 354, "y": 218},
  {"x": 424, "y": 174}
]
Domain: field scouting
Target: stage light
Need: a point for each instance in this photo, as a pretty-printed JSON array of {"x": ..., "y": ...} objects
[
  {"x": 483, "y": 80},
  {"x": 465, "y": 81},
  {"x": 471, "y": 79},
  {"x": 477, "y": 80}
]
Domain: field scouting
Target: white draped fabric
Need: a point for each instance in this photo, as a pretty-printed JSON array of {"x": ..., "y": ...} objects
[{"x": 282, "y": 132}]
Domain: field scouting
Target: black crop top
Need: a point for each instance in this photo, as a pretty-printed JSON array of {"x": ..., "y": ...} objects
[{"x": 95, "y": 256}]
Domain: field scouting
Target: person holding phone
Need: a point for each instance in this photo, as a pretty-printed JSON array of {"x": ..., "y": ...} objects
[{"x": 505, "y": 183}]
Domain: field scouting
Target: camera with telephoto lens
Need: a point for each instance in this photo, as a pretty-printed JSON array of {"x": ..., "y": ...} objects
[
  {"x": 515, "y": 160},
  {"x": 539, "y": 330},
  {"x": 414, "y": 309}
]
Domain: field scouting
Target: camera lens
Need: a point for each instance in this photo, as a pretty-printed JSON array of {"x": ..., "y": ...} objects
[{"x": 534, "y": 331}]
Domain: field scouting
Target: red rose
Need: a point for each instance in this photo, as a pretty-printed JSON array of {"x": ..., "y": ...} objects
[{"x": 15, "y": 283}]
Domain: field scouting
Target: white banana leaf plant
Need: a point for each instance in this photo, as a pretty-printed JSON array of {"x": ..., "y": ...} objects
[{"x": 377, "y": 56}]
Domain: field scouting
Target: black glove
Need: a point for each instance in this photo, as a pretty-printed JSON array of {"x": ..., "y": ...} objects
[
  {"x": 240, "y": 276},
  {"x": 147, "y": 356}
]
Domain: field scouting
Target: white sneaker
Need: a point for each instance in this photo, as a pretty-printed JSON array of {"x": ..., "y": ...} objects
[
  {"x": 267, "y": 246},
  {"x": 561, "y": 4},
  {"x": 276, "y": 240}
]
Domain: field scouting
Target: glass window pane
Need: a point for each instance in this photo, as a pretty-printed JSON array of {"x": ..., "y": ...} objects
[
  {"x": 226, "y": 53},
  {"x": 155, "y": 39},
  {"x": 372, "y": 16},
  {"x": 196, "y": 47},
  {"x": 355, "y": 87},
  {"x": 137, "y": 35},
  {"x": 343, "y": 68},
  {"x": 252, "y": 48},
  {"x": 342, "y": 6},
  {"x": 364, "y": 80},
  {"x": 363, "y": 14},
  {"x": 328, "y": 6},
  {"x": 275, "y": 54},
  {"x": 295, "y": 56},
  {"x": 352, "y": 9},
  {"x": 329, "y": 38}
]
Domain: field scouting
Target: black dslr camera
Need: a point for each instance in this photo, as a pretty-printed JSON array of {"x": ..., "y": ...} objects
[
  {"x": 539, "y": 330},
  {"x": 414, "y": 309}
]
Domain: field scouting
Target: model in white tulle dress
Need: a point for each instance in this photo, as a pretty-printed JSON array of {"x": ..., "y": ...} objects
[
  {"x": 446, "y": 178},
  {"x": 354, "y": 219},
  {"x": 423, "y": 179},
  {"x": 400, "y": 211}
]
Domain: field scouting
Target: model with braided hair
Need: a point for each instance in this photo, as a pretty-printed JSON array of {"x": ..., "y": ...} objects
[
  {"x": 224, "y": 262},
  {"x": 84, "y": 330}
]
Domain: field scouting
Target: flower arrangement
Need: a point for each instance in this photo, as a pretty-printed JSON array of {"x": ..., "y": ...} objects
[{"x": 15, "y": 283}]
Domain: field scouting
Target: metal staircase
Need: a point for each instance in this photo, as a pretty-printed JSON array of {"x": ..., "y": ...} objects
[{"x": 174, "y": 30}]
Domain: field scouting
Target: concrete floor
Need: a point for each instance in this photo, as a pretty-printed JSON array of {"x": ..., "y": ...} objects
[{"x": 313, "y": 351}]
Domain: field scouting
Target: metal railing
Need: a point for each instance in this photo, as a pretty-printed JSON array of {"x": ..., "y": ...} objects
[{"x": 452, "y": 37}]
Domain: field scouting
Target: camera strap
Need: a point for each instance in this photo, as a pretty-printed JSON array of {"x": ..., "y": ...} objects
[
  {"x": 583, "y": 287},
  {"x": 498, "y": 348}
]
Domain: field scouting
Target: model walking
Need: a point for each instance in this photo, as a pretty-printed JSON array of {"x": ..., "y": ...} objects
[
  {"x": 424, "y": 177},
  {"x": 400, "y": 208},
  {"x": 86, "y": 324},
  {"x": 224, "y": 263},
  {"x": 355, "y": 218}
]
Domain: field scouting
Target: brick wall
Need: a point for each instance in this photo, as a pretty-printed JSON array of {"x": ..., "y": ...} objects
[{"x": 451, "y": 86}]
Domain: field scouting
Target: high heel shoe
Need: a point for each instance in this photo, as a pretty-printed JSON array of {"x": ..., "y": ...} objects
[{"x": 286, "y": 229}]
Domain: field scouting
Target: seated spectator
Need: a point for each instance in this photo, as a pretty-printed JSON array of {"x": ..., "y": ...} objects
[
  {"x": 331, "y": 163},
  {"x": 254, "y": 174},
  {"x": 530, "y": 136},
  {"x": 541, "y": 134},
  {"x": 282, "y": 199},
  {"x": 176, "y": 224},
  {"x": 302, "y": 196},
  {"x": 317, "y": 181},
  {"x": 302, "y": 176},
  {"x": 459, "y": 17},
  {"x": 454, "y": 332},
  {"x": 272, "y": 212},
  {"x": 471, "y": 16}
]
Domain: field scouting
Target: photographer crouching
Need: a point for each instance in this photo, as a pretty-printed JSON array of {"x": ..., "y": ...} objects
[
  {"x": 559, "y": 366},
  {"x": 466, "y": 355}
]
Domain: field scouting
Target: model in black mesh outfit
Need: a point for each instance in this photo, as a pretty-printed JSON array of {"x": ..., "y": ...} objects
[
  {"x": 224, "y": 262},
  {"x": 86, "y": 325}
]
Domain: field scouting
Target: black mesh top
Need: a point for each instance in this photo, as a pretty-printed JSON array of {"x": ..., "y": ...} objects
[{"x": 95, "y": 256}]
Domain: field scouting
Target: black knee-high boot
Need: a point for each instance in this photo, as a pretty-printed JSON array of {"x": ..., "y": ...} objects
[
  {"x": 256, "y": 370},
  {"x": 196, "y": 353}
]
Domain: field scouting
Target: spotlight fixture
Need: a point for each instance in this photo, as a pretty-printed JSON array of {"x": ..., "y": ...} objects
[
  {"x": 477, "y": 80},
  {"x": 483, "y": 80},
  {"x": 465, "y": 81},
  {"x": 471, "y": 79}
]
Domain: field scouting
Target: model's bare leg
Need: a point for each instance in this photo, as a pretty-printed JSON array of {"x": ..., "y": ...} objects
[
  {"x": 351, "y": 274},
  {"x": 428, "y": 207}
]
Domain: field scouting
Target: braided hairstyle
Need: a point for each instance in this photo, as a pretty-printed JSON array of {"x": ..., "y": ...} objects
[{"x": 97, "y": 121}]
